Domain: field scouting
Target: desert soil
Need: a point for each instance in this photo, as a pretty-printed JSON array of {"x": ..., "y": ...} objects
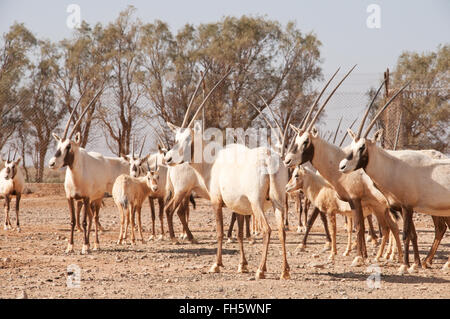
[{"x": 33, "y": 261}]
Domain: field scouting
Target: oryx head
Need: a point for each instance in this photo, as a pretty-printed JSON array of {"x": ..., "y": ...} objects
[
  {"x": 296, "y": 181},
  {"x": 66, "y": 147},
  {"x": 358, "y": 153},
  {"x": 182, "y": 150},
  {"x": 136, "y": 162},
  {"x": 152, "y": 177},
  {"x": 11, "y": 166},
  {"x": 302, "y": 148}
]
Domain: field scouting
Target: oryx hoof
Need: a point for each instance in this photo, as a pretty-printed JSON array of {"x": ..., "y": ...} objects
[
  {"x": 85, "y": 249},
  {"x": 402, "y": 269},
  {"x": 301, "y": 247},
  {"x": 69, "y": 249},
  {"x": 331, "y": 257},
  {"x": 346, "y": 252},
  {"x": 161, "y": 238},
  {"x": 18, "y": 229},
  {"x": 426, "y": 264},
  {"x": 151, "y": 238},
  {"x": 242, "y": 269},
  {"x": 251, "y": 241},
  {"x": 299, "y": 230},
  {"x": 260, "y": 274},
  {"x": 413, "y": 269},
  {"x": 326, "y": 246},
  {"x": 285, "y": 275},
  {"x": 357, "y": 262},
  {"x": 230, "y": 240},
  {"x": 446, "y": 267},
  {"x": 96, "y": 247},
  {"x": 214, "y": 268},
  {"x": 79, "y": 230}
]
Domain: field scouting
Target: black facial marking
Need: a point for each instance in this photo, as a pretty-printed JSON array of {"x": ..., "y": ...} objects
[
  {"x": 363, "y": 159},
  {"x": 69, "y": 158},
  {"x": 308, "y": 154}
]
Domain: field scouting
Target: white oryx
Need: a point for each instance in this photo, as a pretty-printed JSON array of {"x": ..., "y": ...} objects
[
  {"x": 129, "y": 194},
  {"x": 248, "y": 181},
  {"x": 357, "y": 188},
  {"x": 408, "y": 178},
  {"x": 89, "y": 175},
  {"x": 12, "y": 183}
]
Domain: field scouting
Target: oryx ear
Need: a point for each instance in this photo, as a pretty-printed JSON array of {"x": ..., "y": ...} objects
[
  {"x": 296, "y": 129},
  {"x": 77, "y": 139},
  {"x": 56, "y": 137},
  {"x": 197, "y": 126},
  {"x": 125, "y": 157},
  {"x": 174, "y": 128},
  {"x": 378, "y": 135},
  {"x": 18, "y": 160},
  {"x": 314, "y": 131},
  {"x": 351, "y": 133},
  {"x": 161, "y": 149}
]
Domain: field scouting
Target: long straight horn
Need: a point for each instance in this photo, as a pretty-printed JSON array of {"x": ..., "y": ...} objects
[
  {"x": 142, "y": 146},
  {"x": 9, "y": 153},
  {"x": 132, "y": 146},
  {"x": 66, "y": 129},
  {"x": 346, "y": 133},
  {"x": 207, "y": 97},
  {"x": 283, "y": 144},
  {"x": 361, "y": 126},
  {"x": 264, "y": 117},
  {"x": 326, "y": 101},
  {"x": 337, "y": 130},
  {"x": 84, "y": 112},
  {"x": 273, "y": 115},
  {"x": 383, "y": 108},
  {"x": 186, "y": 115},
  {"x": 15, "y": 153},
  {"x": 313, "y": 106}
]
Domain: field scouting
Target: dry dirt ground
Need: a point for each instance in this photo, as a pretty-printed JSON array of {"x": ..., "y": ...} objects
[{"x": 34, "y": 261}]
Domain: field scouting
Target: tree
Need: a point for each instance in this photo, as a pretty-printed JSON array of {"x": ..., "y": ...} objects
[
  {"x": 14, "y": 47},
  {"x": 41, "y": 112},
  {"x": 424, "y": 103},
  {"x": 119, "y": 118}
]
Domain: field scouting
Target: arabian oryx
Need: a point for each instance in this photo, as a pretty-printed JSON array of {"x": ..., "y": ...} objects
[
  {"x": 89, "y": 175},
  {"x": 357, "y": 188},
  {"x": 247, "y": 181},
  {"x": 401, "y": 176},
  {"x": 12, "y": 183},
  {"x": 280, "y": 149},
  {"x": 129, "y": 194}
]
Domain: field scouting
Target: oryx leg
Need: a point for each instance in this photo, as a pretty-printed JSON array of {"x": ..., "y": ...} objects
[
  {"x": 122, "y": 223},
  {"x": 219, "y": 229},
  {"x": 358, "y": 219},
  {"x": 95, "y": 209},
  {"x": 152, "y": 216},
  {"x": 286, "y": 214},
  {"x": 170, "y": 209},
  {"x": 299, "y": 208},
  {"x": 139, "y": 220},
  {"x": 324, "y": 219},
  {"x": 409, "y": 233},
  {"x": 181, "y": 212},
  {"x": 132, "y": 212},
  {"x": 73, "y": 222},
  {"x": 230, "y": 228},
  {"x": 311, "y": 220},
  {"x": 18, "y": 196},
  {"x": 372, "y": 234},
  {"x": 78, "y": 213},
  {"x": 333, "y": 252},
  {"x": 259, "y": 215},
  {"x": 440, "y": 227},
  {"x": 7, "y": 204},
  {"x": 393, "y": 227},
  {"x": 247, "y": 218},
  {"x": 86, "y": 215},
  {"x": 161, "y": 215},
  {"x": 349, "y": 236},
  {"x": 243, "y": 261}
]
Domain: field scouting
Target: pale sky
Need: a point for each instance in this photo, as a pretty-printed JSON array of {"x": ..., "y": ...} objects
[{"x": 339, "y": 25}]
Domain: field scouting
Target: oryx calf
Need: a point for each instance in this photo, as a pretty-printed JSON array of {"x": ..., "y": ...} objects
[{"x": 12, "y": 183}]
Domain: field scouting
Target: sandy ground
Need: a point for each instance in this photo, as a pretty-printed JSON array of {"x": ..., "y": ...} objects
[{"x": 33, "y": 261}]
